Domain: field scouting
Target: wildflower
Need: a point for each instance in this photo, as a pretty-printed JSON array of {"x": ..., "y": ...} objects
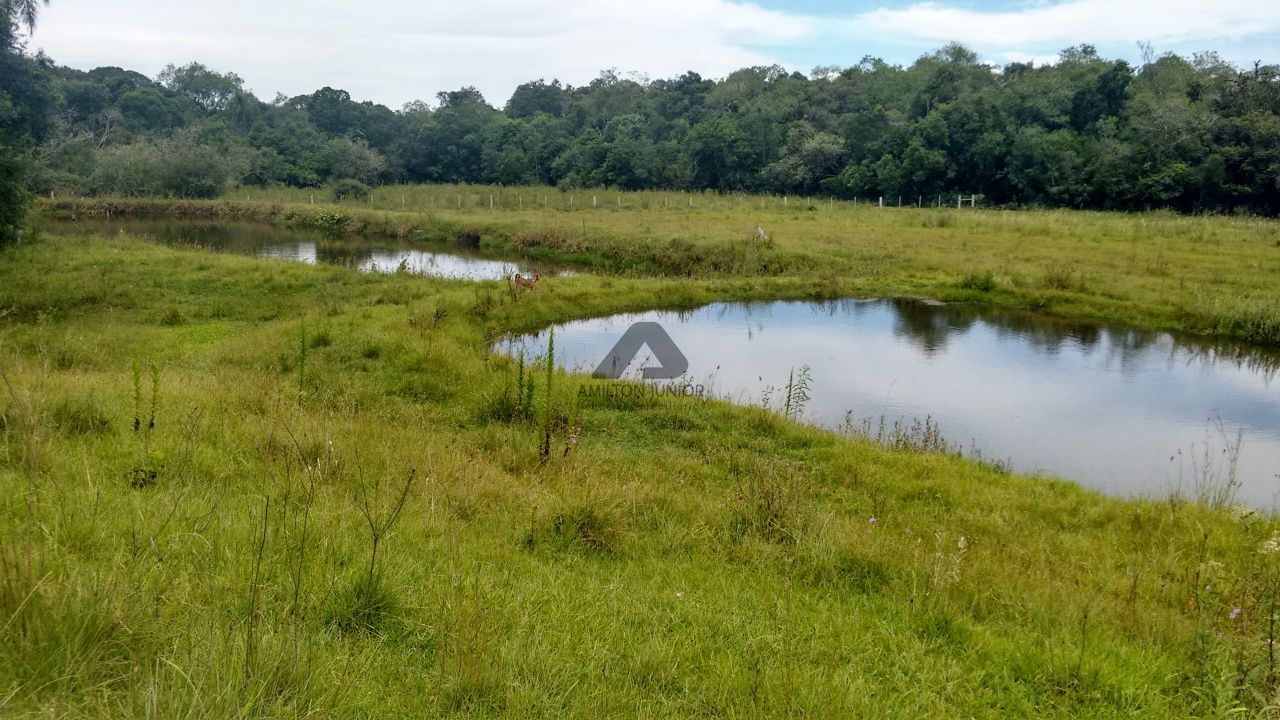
[
  {"x": 872, "y": 521},
  {"x": 1235, "y": 613},
  {"x": 1271, "y": 546}
]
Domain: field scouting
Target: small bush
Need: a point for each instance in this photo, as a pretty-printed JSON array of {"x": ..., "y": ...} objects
[
  {"x": 979, "y": 281},
  {"x": 321, "y": 339},
  {"x": 348, "y": 189},
  {"x": 327, "y": 221},
  {"x": 178, "y": 167},
  {"x": 172, "y": 317}
]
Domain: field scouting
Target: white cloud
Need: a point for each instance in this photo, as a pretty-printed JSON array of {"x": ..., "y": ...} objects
[
  {"x": 398, "y": 51},
  {"x": 1022, "y": 57},
  {"x": 1080, "y": 21}
]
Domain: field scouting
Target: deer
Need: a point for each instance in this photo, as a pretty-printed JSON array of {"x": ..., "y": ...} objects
[{"x": 527, "y": 282}]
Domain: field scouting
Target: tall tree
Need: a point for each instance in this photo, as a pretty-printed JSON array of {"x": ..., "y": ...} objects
[
  {"x": 24, "y": 112},
  {"x": 26, "y": 11}
]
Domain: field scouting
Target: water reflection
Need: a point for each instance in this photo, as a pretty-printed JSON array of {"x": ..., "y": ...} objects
[
  {"x": 269, "y": 241},
  {"x": 1109, "y": 407}
]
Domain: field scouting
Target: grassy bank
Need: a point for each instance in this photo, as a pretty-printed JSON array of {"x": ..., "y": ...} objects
[
  {"x": 252, "y": 488},
  {"x": 1200, "y": 275}
]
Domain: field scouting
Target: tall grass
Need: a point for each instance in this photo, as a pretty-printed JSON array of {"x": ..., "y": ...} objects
[{"x": 1208, "y": 472}]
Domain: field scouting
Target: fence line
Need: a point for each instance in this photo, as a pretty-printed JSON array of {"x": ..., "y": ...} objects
[{"x": 409, "y": 198}]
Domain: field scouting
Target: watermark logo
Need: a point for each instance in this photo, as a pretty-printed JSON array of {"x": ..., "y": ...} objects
[
  {"x": 635, "y": 391},
  {"x": 672, "y": 365}
]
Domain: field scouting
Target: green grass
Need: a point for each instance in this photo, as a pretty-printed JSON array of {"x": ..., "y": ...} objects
[
  {"x": 670, "y": 558},
  {"x": 1203, "y": 275}
]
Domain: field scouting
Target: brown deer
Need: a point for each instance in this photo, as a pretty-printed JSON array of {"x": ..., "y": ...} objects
[{"x": 527, "y": 282}]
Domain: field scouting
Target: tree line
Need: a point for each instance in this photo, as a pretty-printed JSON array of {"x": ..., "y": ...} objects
[{"x": 1193, "y": 134}]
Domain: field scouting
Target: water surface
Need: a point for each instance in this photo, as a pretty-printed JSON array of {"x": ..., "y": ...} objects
[
  {"x": 270, "y": 241},
  {"x": 1119, "y": 410}
]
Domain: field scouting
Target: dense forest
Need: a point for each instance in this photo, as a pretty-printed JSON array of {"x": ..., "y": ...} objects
[{"x": 1192, "y": 134}]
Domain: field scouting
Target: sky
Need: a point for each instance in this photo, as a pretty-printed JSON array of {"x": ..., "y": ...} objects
[{"x": 397, "y": 51}]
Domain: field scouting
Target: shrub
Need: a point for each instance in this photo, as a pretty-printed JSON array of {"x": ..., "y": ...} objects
[
  {"x": 171, "y": 317},
  {"x": 979, "y": 281},
  {"x": 348, "y": 189},
  {"x": 13, "y": 195},
  {"x": 348, "y": 158},
  {"x": 173, "y": 167},
  {"x": 1064, "y": 277}
]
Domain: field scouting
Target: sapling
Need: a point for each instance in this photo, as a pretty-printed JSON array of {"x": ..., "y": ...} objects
[
  {"x": 380, "y": 526},
  {"x": 147, "y": 469},
  {"x": 547, "y": 409}
]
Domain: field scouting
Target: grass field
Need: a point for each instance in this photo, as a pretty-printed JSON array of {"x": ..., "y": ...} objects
[
  {"x": 1204, "y": 275},
  {"x": 236, "y": 487}
]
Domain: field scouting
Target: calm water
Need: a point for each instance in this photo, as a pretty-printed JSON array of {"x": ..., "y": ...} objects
[
  {"x": 269, "y": 241},
  {"x": 1111, "y": 409}
]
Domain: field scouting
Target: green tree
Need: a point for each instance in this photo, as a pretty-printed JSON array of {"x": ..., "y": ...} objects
[
  {"x": 536, "y": 97},
  {"x": 349, "y": 158},
  {"x": 174, "y": 167},
  {"x": 208, "y": 89},
  {"x": 719, "y": 153},
  {"x": 25, "y": 105},
  {"x": 1187, "y": 133},
  {"x": 25, "y": 11},
  {"x": 809, "y": 158},
  {"x": 448, "y": 143},
  {"x": 146, "y": 108}
]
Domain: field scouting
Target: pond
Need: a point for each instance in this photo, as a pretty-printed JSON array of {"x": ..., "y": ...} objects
[
  {"x": 270, "y": 241},
  {"x": 1126, "y": 412}
]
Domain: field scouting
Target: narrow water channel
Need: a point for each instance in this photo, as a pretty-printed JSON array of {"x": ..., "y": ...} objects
[{"x": 270, "y": 241}]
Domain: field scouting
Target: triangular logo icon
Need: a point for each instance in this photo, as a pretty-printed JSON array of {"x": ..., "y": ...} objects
[{"x": 673, "y": 362}]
